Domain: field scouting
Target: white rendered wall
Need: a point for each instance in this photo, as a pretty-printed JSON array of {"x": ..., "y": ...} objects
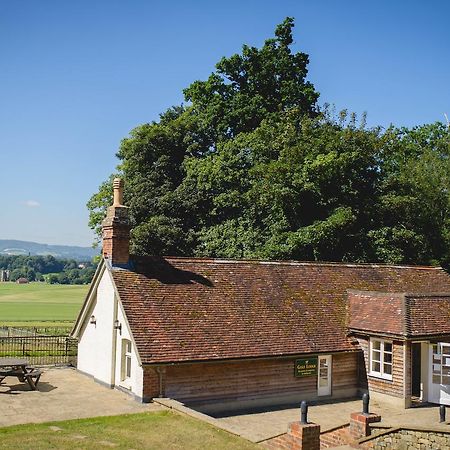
[
  {"x": 95, "y": 344},
  {"x": 135, "y": 382}
]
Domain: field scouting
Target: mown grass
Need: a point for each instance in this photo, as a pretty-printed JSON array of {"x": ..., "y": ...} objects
[
  {"x": 40, "y": 304},
  {"x": 158, "y": 430}
]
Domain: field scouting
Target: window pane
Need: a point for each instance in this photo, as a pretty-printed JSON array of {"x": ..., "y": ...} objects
[
  {"x": 436, "y": 379},
  {"x": 376, "y": 356},
  {"x": 388, "y": 346},
  {"x": 376, "y": 345},
  {"x": 128, "y": 347},
  {"x": 376, "y": 366},
  {"x": 388, "y": 357},
  {"x": 387, "y": 369},
  {"x": 128, "y": 371}
]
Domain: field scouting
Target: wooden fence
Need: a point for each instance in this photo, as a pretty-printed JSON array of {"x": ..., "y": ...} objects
[{"x": 40, "y": 350}]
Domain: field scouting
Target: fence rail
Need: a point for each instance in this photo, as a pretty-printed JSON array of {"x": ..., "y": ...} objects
[
  {"x": 9, "y": 331},
  {"x": 40, "y": 350}
]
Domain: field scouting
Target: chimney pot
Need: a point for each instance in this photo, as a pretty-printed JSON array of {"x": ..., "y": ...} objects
[{"x": 118, "y": 192}]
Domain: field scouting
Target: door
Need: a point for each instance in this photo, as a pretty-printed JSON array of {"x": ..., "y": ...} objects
[
  {"x": 439, "y": 390},
  {"x": 416, "y": 370},
  {"x": 324, "y": 376}
]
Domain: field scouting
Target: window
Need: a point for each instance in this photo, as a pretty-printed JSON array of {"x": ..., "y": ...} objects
[
  {"x": 381, "y": 358},
  {"x": 126, "y": 360}
]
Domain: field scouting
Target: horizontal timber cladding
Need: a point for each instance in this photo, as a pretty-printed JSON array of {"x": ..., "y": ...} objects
[
  {"x": 258, "y": 381},
  {"x": 395, "y": 387}
]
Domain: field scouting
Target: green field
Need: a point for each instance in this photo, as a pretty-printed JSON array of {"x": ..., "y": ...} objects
[{"x": 37, "y": 304}]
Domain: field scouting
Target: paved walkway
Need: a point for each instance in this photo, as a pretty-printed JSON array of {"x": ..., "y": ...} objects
[
  {"x": 63, "y": 394},
  {"x": 257, "y": 426},
  {"x": 66, "y": 394}
]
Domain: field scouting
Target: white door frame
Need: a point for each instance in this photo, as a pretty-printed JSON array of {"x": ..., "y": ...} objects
[
  {"x": 439, "y": 374},
  {"x": 324, "y": 369}
]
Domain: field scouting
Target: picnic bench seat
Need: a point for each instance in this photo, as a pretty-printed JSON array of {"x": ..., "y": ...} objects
[
  {"x": 34, "y": 373},
  {"x": 10, "y": 373}
]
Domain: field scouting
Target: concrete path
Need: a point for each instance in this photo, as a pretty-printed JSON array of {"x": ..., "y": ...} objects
[{"x": 63, "y": 394}]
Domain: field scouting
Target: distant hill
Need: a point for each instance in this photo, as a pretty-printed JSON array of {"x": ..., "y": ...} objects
[{"x": 13, "y": 247}]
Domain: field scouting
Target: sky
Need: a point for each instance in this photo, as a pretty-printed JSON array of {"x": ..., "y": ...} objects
[{"x": 76, "y": 77}]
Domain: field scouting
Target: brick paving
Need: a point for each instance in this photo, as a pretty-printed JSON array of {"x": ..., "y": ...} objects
[{"x": 63, "y": 394}]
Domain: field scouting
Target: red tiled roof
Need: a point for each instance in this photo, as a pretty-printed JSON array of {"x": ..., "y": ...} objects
[
  {"x": 377, "y": 312},
  {"x": 427, "y": 315},
  {"x": 405, "y": 315},
  {"x": 205, "y": 309}
]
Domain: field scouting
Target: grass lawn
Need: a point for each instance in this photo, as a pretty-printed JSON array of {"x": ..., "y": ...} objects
[
  {"x": 34, "y": 303},
  {"x": 159, "y": 430}
]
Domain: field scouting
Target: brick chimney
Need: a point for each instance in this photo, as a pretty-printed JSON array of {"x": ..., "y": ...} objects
[{"x": 116, "y": 229}]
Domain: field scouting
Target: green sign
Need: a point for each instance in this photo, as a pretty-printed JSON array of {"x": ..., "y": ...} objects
[{"x": 305, "y": 367}]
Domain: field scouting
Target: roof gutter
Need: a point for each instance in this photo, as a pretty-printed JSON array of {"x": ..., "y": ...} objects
[{"x": 246, "y": 359}]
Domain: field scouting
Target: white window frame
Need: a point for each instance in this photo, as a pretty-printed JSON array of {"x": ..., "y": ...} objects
[
  {"x": 381, "y": 373},
  {"x": 126, "y": 360}
]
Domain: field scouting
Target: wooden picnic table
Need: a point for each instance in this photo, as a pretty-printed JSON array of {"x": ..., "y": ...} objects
[{"x": 19, "y": 368}]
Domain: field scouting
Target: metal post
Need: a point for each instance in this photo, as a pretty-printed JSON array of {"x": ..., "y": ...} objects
[
  {"x": 365, "y": 399},
  {"x": 442, "y": 413},
  {"x": 304, "y": 412}
]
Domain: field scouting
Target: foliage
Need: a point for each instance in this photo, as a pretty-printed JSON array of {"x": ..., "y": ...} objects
[
  {"x": 48, "y": 268},
  {"x": 251, "y": 168}
]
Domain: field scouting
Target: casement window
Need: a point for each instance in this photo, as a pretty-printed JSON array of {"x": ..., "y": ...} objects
[
  {"x": 126, "y": 360},
  {"x": 380, "y": 358}
]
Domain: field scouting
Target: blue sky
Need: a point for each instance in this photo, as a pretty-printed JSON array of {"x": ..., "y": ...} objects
[{"x": 76, "y": 77}]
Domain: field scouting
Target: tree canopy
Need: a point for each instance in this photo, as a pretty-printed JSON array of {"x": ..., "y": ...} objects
[{"x": 251, "y": 167}]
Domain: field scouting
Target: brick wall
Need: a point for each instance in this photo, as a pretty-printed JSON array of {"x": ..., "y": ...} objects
[
  {"x": 151, "y": 385},
  {"x": 298, "y": 437},
  {"x": 270, "y": 380},
  {"x": 397, "y": 387},
  {"x": 336, "y": 437}
]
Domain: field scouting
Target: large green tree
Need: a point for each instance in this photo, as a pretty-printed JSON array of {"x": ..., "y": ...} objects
[
  {"x": 250, "y": 168},
  {"x": 414, "y": 203},
  {"x": 244, "y": 90}
]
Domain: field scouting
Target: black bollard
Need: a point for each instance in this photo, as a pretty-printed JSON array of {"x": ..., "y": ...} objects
[
  {"x": 304, "y": 412},
  {"x": 365, "y": 399},
  {"x": 442, "y": 413}
]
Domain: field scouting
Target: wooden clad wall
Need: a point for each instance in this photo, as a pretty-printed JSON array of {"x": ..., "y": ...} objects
[
  {"x": 266, "y": 382},
  {"x": 395, "y": 387}
]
